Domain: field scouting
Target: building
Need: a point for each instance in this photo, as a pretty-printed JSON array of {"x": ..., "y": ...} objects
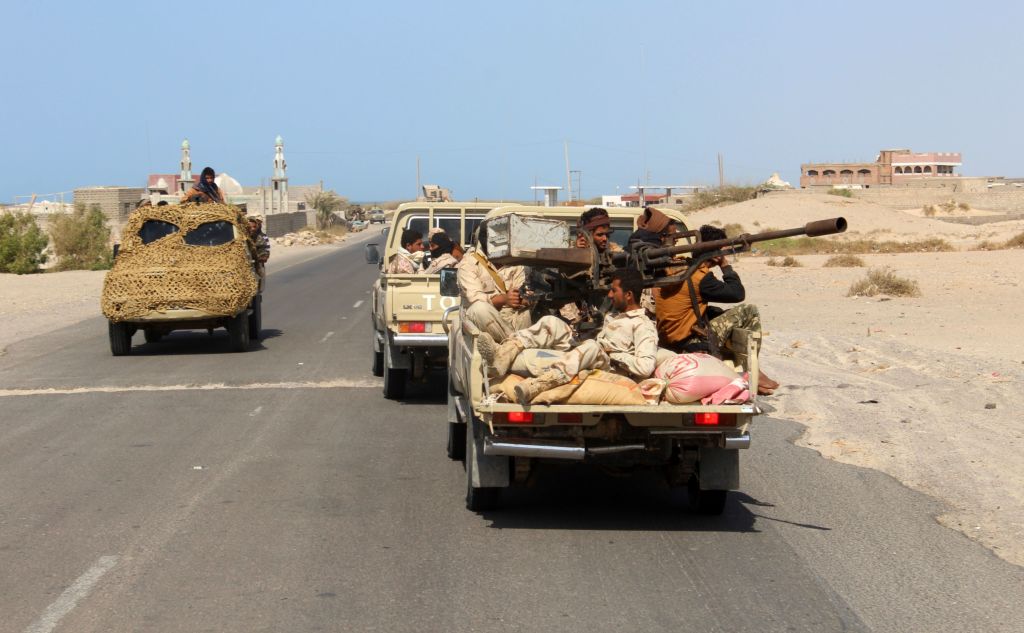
[
  {"x": 892, "y": 167},
  {"x": 115, "y": 202}
]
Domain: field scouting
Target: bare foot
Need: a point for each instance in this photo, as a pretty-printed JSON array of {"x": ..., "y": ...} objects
[{"x": 766, "y": 383}]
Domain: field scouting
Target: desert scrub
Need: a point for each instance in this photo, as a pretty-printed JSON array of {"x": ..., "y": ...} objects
[
  {"x": 843, "y": 193},
  {"x": 883, "y": 281},
  {"x": 963, "y": 206},
  {"x": 814, "y": 245},
  {"x": 80, "y": 239},
  {"x": 844, "y": 261},
  {"x": 785, "y": 262},
  {"x": 1017, "y": 241},
  {"x": 733, "y": 230},
  {"x": 723, "y": 195}
]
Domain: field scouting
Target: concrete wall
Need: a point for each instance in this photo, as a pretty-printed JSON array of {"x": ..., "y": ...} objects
[
  {"x": 277, "y": 224},
  {"x": 116, "y": 202}
]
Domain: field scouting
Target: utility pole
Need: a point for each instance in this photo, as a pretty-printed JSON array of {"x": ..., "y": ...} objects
[
  {"x": 568, "y": 175},
  {"x": 721, "y": 172},
  {"x": 419, "y": 190}
]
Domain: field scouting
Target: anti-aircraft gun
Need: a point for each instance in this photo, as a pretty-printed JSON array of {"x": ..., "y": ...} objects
[{"x": 561, "y": 275}]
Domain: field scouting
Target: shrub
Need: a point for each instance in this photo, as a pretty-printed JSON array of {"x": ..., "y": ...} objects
[
  {"x": 929, "y": 210},
  {"x": 844, "y": 193},
  {"x": 844, "y": 261},
  {"x": 883, "y": 281},
  {"x": 80, "y": 239},
  {"x": 964, "y": 206},
  {"x": 723, "y": 195},
  {"x": 326, "y": 204},
  {"x": 732, "y": 230},
  {"x": 814, "y": 245},
  {"x": 786, "y": 262},
  {"x": 1017, "y": 241},
  {"x": 22, "y": 243}
]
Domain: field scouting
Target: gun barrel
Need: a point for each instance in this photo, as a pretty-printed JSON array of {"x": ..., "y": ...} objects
[{"x": 811, "y": 229}]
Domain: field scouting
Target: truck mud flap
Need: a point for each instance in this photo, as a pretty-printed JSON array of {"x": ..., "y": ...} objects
[
  {"x": 489, "y": 471},
  {"x": 719, "y": 469}
]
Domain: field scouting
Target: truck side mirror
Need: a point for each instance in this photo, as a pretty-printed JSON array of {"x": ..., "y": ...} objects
[
  {"x": 372, "y": 254},
  {"x": 449, "y": 282}
]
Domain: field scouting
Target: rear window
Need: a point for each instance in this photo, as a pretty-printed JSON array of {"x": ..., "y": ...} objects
[
  {"x": 152, "y": 230},
  {"x": 211, "y": 234},
  {"x": 621, "y": 230}
]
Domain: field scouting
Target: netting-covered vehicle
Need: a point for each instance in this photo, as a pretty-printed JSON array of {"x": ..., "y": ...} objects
[{"x": 182, "y": 268}]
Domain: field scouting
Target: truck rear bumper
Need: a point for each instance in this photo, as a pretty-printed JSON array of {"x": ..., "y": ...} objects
[
  {"x": 550, "y": 449},
  {"x": 420, "y": 340}
]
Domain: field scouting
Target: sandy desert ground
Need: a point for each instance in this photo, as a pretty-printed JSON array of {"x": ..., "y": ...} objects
[{"x": 921, "y": 388}]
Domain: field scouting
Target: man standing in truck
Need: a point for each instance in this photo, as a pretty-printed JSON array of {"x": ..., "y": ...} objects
[
  {"x": 492, "y": 298},
  {"x": 627, "y": 343}
]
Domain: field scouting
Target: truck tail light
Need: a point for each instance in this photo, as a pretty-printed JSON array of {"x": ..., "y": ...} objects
[
  {"x": 570, "y": 418},
  {"x": 520, "y": 417},
  {"x": 413, "y": 327},
  {"x": 714, "y": 419}
]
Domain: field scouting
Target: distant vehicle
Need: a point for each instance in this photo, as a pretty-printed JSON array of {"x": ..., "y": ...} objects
[
  {"x": 377, "y": 216},
  {"x": 359, "y": 225},
  {"x": 183, "y": 268}
]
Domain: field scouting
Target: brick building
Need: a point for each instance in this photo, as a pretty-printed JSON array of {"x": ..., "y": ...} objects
[{"x": 891, "y": 167}]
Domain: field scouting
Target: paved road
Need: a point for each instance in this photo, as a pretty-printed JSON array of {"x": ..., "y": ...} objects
[{"x": 185, "y": 488}]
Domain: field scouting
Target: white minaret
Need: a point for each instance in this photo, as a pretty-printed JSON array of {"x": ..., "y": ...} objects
[
  {"x": 185, "y": 181},
  {"x": 279, "y": 192}
]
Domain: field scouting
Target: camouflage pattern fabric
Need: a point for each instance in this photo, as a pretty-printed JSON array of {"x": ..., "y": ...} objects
[{"x": 745, "y": 316}]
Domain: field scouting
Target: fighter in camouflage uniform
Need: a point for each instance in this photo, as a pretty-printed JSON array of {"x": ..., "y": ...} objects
[{"x": 260, "y": 240}]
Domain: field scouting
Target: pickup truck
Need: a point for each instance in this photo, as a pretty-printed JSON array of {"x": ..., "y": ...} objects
[
  {"x": 408, "y": 340},
  {"x": 693, "y": 445}
]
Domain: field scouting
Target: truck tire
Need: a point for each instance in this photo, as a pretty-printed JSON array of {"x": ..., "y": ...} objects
[
  {"x": 378, "y": 364},
  {"x": 152, "y": 336},
  {"x": 706, "y": 502},
  {"x": 394, "y": 379},
  {"x": 120, "y": 338},
  {"x": 238, "y": 332},
  {"x": 477, "y": 499},
  {"x": 256, "y": 318}
]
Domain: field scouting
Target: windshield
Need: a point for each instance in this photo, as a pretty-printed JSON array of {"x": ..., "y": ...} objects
[
  {"x": 211, "y": 234},
  {"x": 152, "y": 230}
]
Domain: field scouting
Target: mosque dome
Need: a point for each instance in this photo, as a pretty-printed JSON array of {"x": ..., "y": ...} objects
[
  {"x": 279, "y": 141},
  {"x": 184, "y": 144}
]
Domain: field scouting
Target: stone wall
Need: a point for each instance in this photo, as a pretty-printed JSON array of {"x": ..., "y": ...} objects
[
  {"x": 116, "y": 202},
  {"x": 1008, "y": 199}
]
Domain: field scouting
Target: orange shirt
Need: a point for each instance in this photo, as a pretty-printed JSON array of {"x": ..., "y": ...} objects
[{"x": 674, "y": 309}]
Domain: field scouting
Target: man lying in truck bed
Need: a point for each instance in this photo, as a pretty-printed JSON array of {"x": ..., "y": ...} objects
[{"x": 627, "y": 343}]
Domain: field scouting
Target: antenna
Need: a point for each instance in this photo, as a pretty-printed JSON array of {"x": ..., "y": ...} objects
[{"x": 568, "y": 174}]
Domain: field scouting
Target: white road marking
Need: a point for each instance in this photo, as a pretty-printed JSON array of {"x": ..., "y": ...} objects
[
  {"x": 326, "y": 336},
  {"x": 358, "y": 303},
  {"x": 323, "y": 384},
  {"x": 255, "y": 412},
  {"x": 67, "y": 600}
]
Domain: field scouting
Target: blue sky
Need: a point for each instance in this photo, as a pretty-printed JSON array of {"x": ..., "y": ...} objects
[{"x": 486, "y": 93}]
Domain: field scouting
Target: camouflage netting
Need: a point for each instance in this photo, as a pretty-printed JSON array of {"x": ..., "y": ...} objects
[{"x": 169, "y": 274}]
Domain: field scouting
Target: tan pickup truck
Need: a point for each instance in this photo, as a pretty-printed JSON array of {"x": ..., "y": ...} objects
[
  {"x": 693, "y": 445},
  {"x": 408, "y": 340}
]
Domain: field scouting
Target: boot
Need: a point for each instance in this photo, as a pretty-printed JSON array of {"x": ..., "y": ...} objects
[
  {"x": 530, "y": 388},
  {"x": 498, "y": 357}
]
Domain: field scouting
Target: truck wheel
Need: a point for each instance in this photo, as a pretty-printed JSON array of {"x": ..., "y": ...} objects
[
  {"x": 256, "y": 318},
  {"x": 477, "y": 499},
  {"x": 120, "y": 338},
  {"x": 238, "y": 332},
  {"x": 394, "y": 379},
  {"x": 707, "y": 502},
  {"x": 456, "y": 441},
  {"x": 152, "y": 336},
  {"x": 378, "y": 361}
]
